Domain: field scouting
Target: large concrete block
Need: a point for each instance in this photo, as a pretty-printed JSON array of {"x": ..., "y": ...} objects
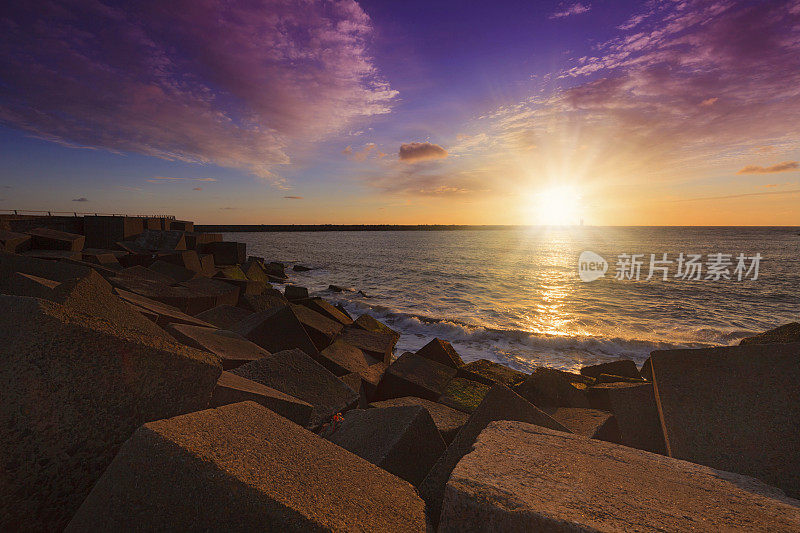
[
  {"x": 412, "y": 375},
  {"x": 591, "y": 423},
  {"x": 187, "y": 300},
  {"x": 277, "y": 329},
  {"x": 342, "y": 358},
  {"x": 321, "y": 329},
  {"x": 105, "y": 231},
  {"x": 325, "y": 308},
  {"x": 550, "y": 388},
  {"x": 13, "y": 242},
  {"x": 166, "y": 314},
  {"x": 176, "y": 273},
  {"x": 735, "y": 408},
  {"x": 621, "y": 367},
  {"x": 268, "y": 299},
  {"x": 221, "y": 292},
  {"x": 154, "y": 240},
  {"x": 254, "y": 271},
  {"x": 463, "y": 394},
  {"x": 181, "y": 225},
  {"x": 50, "y": 239},
  {"x": 226, "y": 252},
  {"x": 521, "y": 477},
  {"x": 637, "y": 417},
  {"x": 234, "y": 389},
  {"x": 242, "y": 467},
  {"x": 378, "y": 345},
  {"x": 491, "y": 373},
  {"x": 52, "y": 270},
  {"x": 232, "y": 349},
  {"x": 402, "y": 440},
  {"x": 370, "y": 323},
  {"x": 75, "y": 387},
  {"x": 448, "y": 421},
  {"x": 782, "y": 334},
  {"x": 599, "y": 395},
  {"x": 224, "y": 316},
  {"x": 499, "y": 404},
  {"x": 295, "y": 373},
  {"x": 439, "y": 351}
]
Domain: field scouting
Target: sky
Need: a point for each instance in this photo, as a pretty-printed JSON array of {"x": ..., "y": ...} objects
[{"x": 671, "y": 112}]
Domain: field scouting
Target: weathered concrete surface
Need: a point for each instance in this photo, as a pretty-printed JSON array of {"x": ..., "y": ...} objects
[
  {"x": 295, "y": 292},
  {"x": 412, "y": 375},
  {"x": 637, "y": 416},
  {"x": 231, "y": 272},
  {"x": 74, "y": 388},
  {"x": 295, "y": 373},
  {"x": 342, "y": 358},
  {"x": 448, "y": 421},
  {"x": 187, "y": 259},
  {"x": 370, "y": 323},
  {"x": 243, "y": 468},
  {"x": 223, "y": 293},
  {"x": 402, "y": 440},
  {"x": 141, "y": 272},
  {"x": 550, "y": 388},
  {"x": 499, "y": 404},
  {"x": 231, "y": 388},
  {"x": 782, "y": 334},
  {"x": 622, "y": 367},
  {"x": 232, "y": 349},
  {"x": 50, "y": 239},
  {"x": 53, "y": 270},
  {"x": 441, "y": 352},
  {"x": 224, "y": 316},
  {"x": 268, "y": 299},
  {"x": 321, "y": 329},
  {"x": 591, "y": 423},
  {"x": 277, "y": 329},
  {"x": 600, "y": 395},
  {"x": 325, "y": 308},
  {"x": 175, "y": 272},
  {"x": 522, "y": 477},
  {"x": 355, "y": 382},
  {"x": 13, "y": 242},
  {"x": 181, "y": 225},
  {"x": 378, "y": 345},
  {"x": 735, "y": 408},
  {"x": 154, "y": 240},
  {"x": 463, "y": 394},
  {"x": 226, "y": 253},
  {"x": 491, "y": 373},
  {"x": 184, "y": 298},
  {"x": 166, "y": 313},
  {"x": 105, "y": 231},
  {"x": 54, "y": 255}
]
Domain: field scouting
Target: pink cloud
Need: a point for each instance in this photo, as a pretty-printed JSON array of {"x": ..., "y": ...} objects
[
  {"x": 786, "y": 166},
  {"x": 571, "y": 9},
  {"x": 411, "y": 152},
  {"x": 145, "y": 77}
]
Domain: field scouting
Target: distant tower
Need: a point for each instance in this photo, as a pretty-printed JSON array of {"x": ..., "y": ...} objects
[{"x": 581, "y": 222}]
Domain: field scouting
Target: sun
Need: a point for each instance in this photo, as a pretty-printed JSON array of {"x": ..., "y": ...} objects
[{"x": 556, "y": 206}]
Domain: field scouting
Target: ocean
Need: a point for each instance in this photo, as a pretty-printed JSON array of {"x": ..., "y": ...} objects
[{"x": 515, "y": 295}]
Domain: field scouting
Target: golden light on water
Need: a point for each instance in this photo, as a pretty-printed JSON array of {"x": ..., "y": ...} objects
[{"x": 556, "y": 206}]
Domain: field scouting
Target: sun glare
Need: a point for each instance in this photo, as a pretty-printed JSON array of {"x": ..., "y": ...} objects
[{"x": 557, "y": 206}]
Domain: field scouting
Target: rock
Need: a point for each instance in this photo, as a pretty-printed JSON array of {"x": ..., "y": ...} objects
[
  {"x": 369, "y": 323},
  {"x": 197, "y": 241},
  {"x": 232, "y": 349},
  {"x": 300, "y": 268},
  {"x": 599, "y": 395},
  {"x": 441, "y": 352},
  {"x": 372, "y": 377},
  {"x": 74, "y": 388},
  {"x": 154, "y": 240},
  {"x": 247, "y": 287},
  {"x": 378, "y": 345},
  {"x": 140, "y": 272},
  {"x": 183, "y": 298},
  {"x": 275, "y": 269},
  {"x": 342, "y": 358},
  {"x": 269, "y": 299},
  {"x": 591, "y": 423},
  {"x": 104, "y": 258},
  {"x": 402, "y": 440},
  {"x": 521, "y": 477},
  {"x": 735, "y": 408},
  {"x": 321, "y": 329},
  {"x": 550, "y": 388},
  {"x": 277, "y": 329},
  {"x": 166, "y": 313},
  {"x": 448, "y": 421},
  {"x": 187, "y": 259},
  {"x": 105, "y": 231},
  {"x": 341, "y": 308},
  {"x": 412, "y": 375},
  {"x": 499, "y": 404},
  {"x": 231, "y": 272},
  {"x": 365, "y": 295},
  {"x": 782, "y": 334},
  {"x": 335, "y": 288},
  {"x": 174, "y": 272},
  {"x": 50, "y": 239},
  {"x": 221, "y": 292},
  {"x": 355, "y": 382},
  {"x": 231, "y": 388},
  {"x": 254, "y": 271},
  {"x": 295, "y": 373},
  {"x": 637, "y": 417},
  {"x": 622, "y": 367},
  {"x": 181, "y": 225},
  {"x": 14, "y": 242},
  {"x": 324, "y": 308},
  {"x": 491, "y": 373},
  {"x": 463, "y": 394},
  {"x": 242, "y": 467},
  {"x": 52, "y": 270},
  {"x": 295, "y": 292},
  {"x": 226, "y": 252},
  {"x": 209, "y": 269},
  {"x": 224, "y": 316}
]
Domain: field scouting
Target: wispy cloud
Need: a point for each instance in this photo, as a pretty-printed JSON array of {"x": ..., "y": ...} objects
[
  {"x": 144, "y": 77},
  {"x": 293, "y": 197},
  {"x": 81, "y": 199},
  {"x": 197, "y": 188},
  {"x": 167, "y": 179},
  {"x": 369, "y": 149},
  {"x": 412, "y": 152},
  {"x": 786, "y": 166},
  {"x": 571, "y": 9}
]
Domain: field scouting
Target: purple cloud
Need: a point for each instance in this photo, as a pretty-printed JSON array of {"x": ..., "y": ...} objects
[
  {"x": 571, "y": 9},
  {"x": 411, "y": 152},
  {"x": 786, "y": 166},
  {"x": 147, "y": 77},
  {"x": 293, "y": 197}
]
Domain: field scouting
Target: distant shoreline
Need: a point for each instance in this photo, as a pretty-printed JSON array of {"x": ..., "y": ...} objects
[{"x": 267, "y": 228}]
